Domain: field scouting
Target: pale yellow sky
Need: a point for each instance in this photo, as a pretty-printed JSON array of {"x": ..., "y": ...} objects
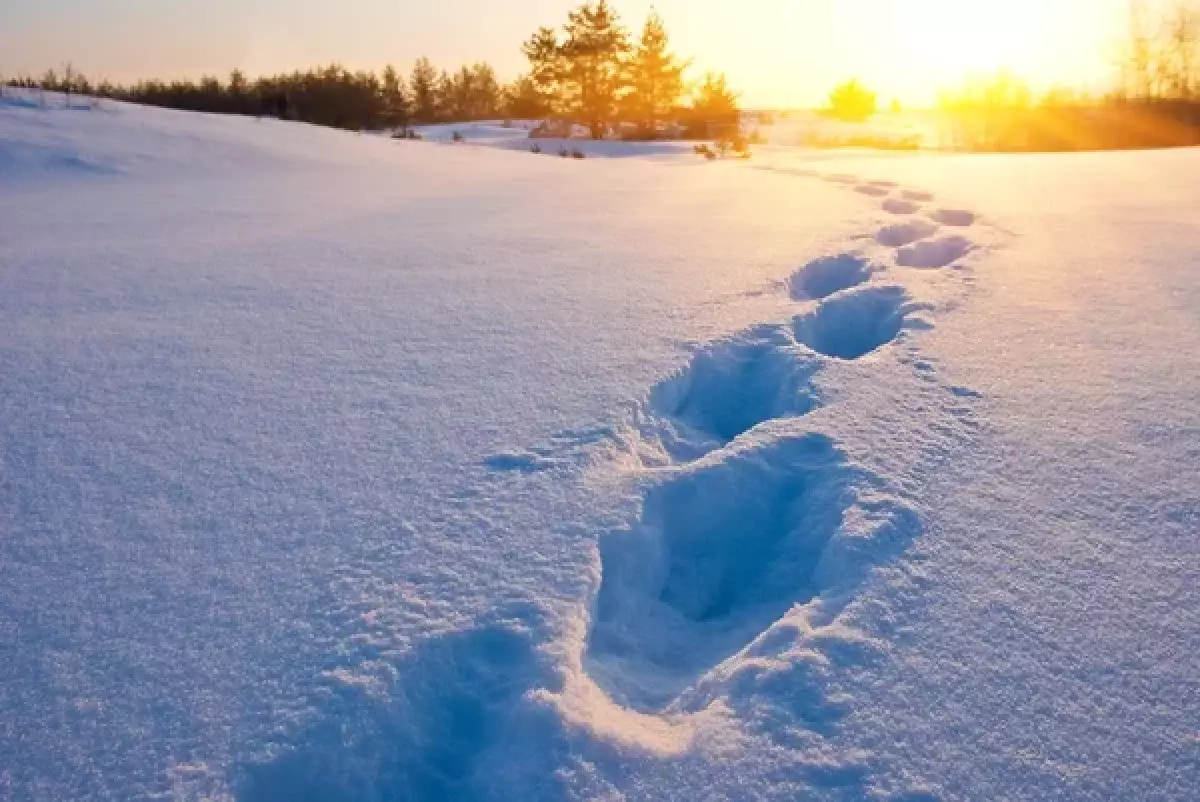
[{"x": 777, "y": 52}]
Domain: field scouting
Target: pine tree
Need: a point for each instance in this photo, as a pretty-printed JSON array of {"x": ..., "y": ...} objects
[
  {"x": 523, "y": 101},
  {"x": 485, "y": 92},
  {"x": 395, "y": 104},
  {"x": 423, "y": 85},
  {"x": 593, "y": 75},
  {"x": 655, "y": 78},
  {"x": 852, "y": 102},
  {"x": 545, "y": 70},
  {"x": 714, "y": 108},
  {"x": 447, "y": 97}
]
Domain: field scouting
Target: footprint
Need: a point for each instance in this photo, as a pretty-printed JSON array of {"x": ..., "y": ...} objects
[
  {"x": 852, "y": 324},
  {"x": 519, "y": 462},
  {"x": 872, "y": 190},
  {"x": 899, "y": 206},
  {"x": 916, "y": 195},
  {"x": 960, "y": 218},
  {"x": 731, "y": 386},
  {"x": 724, "y": 549},
  {"x": 901, "y": 234},
  {"x": 454, "y": 704},
  {"x": 841, "y": 178},
  {"x": 935, "y": 253},
  {"x": 828, "y": 275}
]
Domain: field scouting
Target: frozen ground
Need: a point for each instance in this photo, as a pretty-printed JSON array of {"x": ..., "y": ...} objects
[{"x": 338, "y": 468}]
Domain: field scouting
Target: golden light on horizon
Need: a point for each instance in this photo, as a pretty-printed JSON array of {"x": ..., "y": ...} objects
[{"x": 947, "y": 41}]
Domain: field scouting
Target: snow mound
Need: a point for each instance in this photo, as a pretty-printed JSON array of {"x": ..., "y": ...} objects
[{"x": 829, "y": 274}]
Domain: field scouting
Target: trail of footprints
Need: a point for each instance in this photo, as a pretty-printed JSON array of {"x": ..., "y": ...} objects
[{"x": 739, "y": 528}]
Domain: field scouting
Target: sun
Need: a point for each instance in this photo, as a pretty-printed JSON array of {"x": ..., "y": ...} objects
[{"x": 947, "y": 40}]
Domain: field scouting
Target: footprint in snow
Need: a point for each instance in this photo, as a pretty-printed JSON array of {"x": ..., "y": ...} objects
[
  {"x": 730, "y": 387},
  {"x": 519, "y": 462},
  {"x": 901, "y": 234},
  {"x": 849, "y": 325},
  {"x": 829, "y": 274},
  {"x": 901, "y": 206},
  {"x": 935, "y": 253},
  {"x": 723, "y": 549},
  {"x": 959, "y": 218},
  {"x": 872, "y": 190}
]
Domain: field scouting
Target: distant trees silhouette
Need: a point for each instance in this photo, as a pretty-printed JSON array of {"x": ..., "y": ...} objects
[
  {"x": 851, "y": 102},
  {"x": 1155, "y": 101},
  {"x": 595, "y": 77},
  {"x": 1159, "y": 58}
]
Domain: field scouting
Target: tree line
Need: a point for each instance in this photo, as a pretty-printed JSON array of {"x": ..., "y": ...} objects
[
  {"x": 594, "y": 75},
  {"x": 1160, "y": 56},
  {"x": 329, "y": 95}
]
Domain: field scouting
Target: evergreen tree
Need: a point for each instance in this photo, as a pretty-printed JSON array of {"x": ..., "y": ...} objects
[
  {"x": 852, "y": 102},
  {"x": 714, "y": 108},
  {"x": 423, "y": 84},
  {"x": 545, "y": 71},
  {"x": 524, "y": 101},
  {"x": 593, "y": 74},
  {"x": 655, "y": 78},
  {"x": 395, "y": 104},
  {"x": 448, "y": 96},
  {"x": 485, "y": 92}
]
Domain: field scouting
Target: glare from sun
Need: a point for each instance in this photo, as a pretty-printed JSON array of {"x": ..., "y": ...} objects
[{"x": 951, "y": 39}]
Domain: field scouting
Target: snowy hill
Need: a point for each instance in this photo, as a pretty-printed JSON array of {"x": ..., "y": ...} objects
[{"x": 342, "y": 468}]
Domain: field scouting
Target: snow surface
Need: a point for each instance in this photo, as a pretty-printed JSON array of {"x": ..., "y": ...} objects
[
  {"x": 515, "y": 135},
  {"x": 336, "y": 467}
]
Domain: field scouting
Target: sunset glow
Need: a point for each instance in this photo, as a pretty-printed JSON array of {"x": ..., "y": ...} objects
[{"x": 776, "y": 52}]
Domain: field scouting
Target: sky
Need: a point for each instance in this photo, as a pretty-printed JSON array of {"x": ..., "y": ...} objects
[{"x": 777, "y": 53}]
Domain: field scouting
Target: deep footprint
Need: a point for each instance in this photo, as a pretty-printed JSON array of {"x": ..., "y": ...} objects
[
  {"x": 935, "y": 253},
  {"x": 827, "y": 275},
  {"x": 900, "y": 206},
  {"x": 906, "y": 233},
  {"x": 852, "y": 324},
  {"x": 732, "y": 385},
  {"x": 457, "y": 699},
  {"x": 722, "y": 551},
  {"x": 959, "y": 218}
]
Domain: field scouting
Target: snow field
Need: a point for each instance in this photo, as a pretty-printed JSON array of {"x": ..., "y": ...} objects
[{"x": 342, "y": 468}]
